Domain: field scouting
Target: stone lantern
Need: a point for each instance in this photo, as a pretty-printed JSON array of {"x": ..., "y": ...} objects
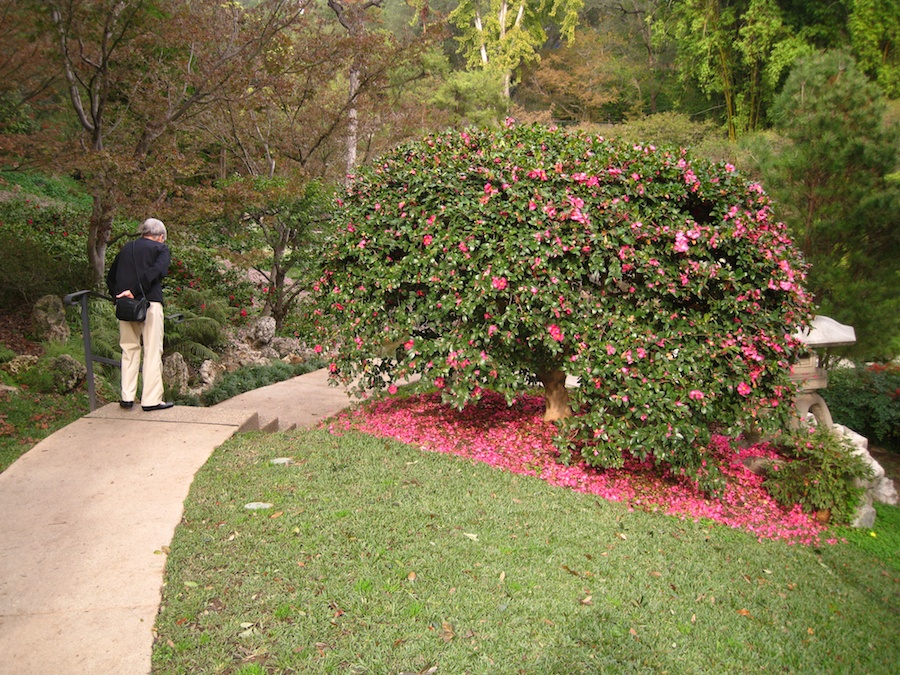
[
  {"x": 826, "y": 332},
  {"x": 823, "y": 333}
]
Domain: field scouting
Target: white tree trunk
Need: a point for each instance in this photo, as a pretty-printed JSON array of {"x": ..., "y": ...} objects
[{"x": 352, "y": 121}]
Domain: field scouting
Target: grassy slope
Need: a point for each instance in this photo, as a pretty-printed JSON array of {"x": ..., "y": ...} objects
[{"x": 378, "y": 558}]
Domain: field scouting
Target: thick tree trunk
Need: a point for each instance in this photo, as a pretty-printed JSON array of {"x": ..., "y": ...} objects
[
  {"x": 556, "y": 397},
  {"x": 98, "y": 237}
]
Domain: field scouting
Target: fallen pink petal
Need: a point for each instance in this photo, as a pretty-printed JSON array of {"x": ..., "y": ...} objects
[{"x": 514, "y": 438}]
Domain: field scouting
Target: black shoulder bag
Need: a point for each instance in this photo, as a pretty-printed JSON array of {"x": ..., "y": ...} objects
[{"x": 133, "y": 309}]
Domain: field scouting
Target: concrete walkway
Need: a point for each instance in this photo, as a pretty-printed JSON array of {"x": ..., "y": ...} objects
[{"x": 87, "y": 514}]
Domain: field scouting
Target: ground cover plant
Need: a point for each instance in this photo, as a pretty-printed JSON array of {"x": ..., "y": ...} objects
[
  {"x": 485, "y": 260},
  {"x": 377, "y": 557}
]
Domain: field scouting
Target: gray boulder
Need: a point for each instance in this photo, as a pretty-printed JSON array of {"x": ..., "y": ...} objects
[
  {"x": 48, "y": 320},
  {"x": 20, "y": 364},
  {"x": 261, "y": 332},
  {"x": 68, "y": 373},
  {"x": 175, "y": 372}
]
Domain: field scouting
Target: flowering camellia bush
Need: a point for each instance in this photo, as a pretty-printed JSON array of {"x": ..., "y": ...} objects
[{"x": 496, "y": 259}]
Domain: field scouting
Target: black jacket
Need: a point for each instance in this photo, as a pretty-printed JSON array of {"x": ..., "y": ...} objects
[{"x": 142, "y": 262}]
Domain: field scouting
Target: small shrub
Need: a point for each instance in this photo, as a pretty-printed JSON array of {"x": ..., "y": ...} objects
[
  {"x": 195, "y": 269},
  {"x": 867, "y": 399},
  {"x": 42, "y": 251},
  {"x": 820, "y": 474},
  {"x": 201, "y": 328}
]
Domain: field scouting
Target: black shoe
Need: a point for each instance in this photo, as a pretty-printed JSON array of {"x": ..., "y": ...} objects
[
  {"x": 158, "y": 406},
  {"x": 126, "y": 404}
]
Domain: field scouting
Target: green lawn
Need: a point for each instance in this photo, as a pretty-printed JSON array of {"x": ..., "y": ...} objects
[{"x": 380, "y": 558}]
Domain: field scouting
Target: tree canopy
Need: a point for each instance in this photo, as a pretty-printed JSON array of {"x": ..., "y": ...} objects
[{"x": 485, "y": 260}]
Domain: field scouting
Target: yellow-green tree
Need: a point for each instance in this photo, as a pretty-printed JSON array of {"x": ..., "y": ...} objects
[{"x": 500, "y": 35}]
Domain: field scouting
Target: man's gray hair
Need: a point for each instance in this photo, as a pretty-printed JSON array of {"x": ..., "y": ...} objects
[{"x": 152, "y": 227}]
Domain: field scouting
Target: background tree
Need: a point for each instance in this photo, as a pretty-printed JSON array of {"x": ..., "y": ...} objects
[
  {"x": 500, "y": 36},
  {"x": 134, "y": 71},
  {"x": 833, "y": 185},
  {"x": 280, "y": 228},
  {"x": 736, "y": 51},
  {"x": 874, "y": 27},
  {"x": 485, "y": 260},
  {"x": 24, "y": 79},
  {"x": 280, "y": 142},
  {"x": 576, "y": 83}
]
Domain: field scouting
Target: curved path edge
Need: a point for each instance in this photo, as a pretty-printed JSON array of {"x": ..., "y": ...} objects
[{"x": 86, "y": 517}]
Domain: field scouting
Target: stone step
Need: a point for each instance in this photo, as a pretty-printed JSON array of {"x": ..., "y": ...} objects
[{"x": 264, "y": 423}]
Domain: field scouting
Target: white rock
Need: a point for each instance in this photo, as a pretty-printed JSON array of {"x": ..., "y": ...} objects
[{"x": 884, "y": 491}]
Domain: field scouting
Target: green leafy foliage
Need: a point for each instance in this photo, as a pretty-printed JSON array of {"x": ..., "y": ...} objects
[
  {"x": 478, "y": 259},
  {"x": 200, "y": 325},
  {"x": 289, "y": 222},
  {"x": 198, "y": 268},
  {"x": 820, "y": 474},
  {"x": 41, "y": 250},
  {"x": 867, "y": 400}
]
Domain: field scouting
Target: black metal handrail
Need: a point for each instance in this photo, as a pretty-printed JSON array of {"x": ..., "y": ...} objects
[{"x": 81, "y": 298}]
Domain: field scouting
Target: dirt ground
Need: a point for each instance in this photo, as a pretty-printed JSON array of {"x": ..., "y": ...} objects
[{"x": 14, "y": 329}]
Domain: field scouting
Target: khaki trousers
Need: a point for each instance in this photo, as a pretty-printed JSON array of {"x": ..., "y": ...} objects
[{"x": 150, "y": 333}]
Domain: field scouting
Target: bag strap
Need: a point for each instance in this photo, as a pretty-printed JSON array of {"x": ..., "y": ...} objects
[{"x": 134, "y": 262}]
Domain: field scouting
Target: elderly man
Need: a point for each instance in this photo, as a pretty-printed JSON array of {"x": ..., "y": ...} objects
[{"x": 138, "y": 270}]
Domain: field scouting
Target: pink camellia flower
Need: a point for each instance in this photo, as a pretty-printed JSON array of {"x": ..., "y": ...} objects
[
  {"x": 681, "y": 242},
  {"x": 439, "y": 382},
  {"x": 392, "y": 389},
  {"x": 555, "y": 332},
  {"x": 318, "y": 349},
  {"x": 695, "y": 394},
  {"x": 499, "y": 283},
  {"x": 491, "y": 330},
  {"x": 427, "y": 239},
  {"x": 610, "y": 350},
  {"x": 744, "y": 389}
]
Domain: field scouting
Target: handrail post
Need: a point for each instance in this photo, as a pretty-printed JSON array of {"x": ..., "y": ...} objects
[
  {"x": 81, "y": 298},
  {"x": 88, "y": 352}
]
